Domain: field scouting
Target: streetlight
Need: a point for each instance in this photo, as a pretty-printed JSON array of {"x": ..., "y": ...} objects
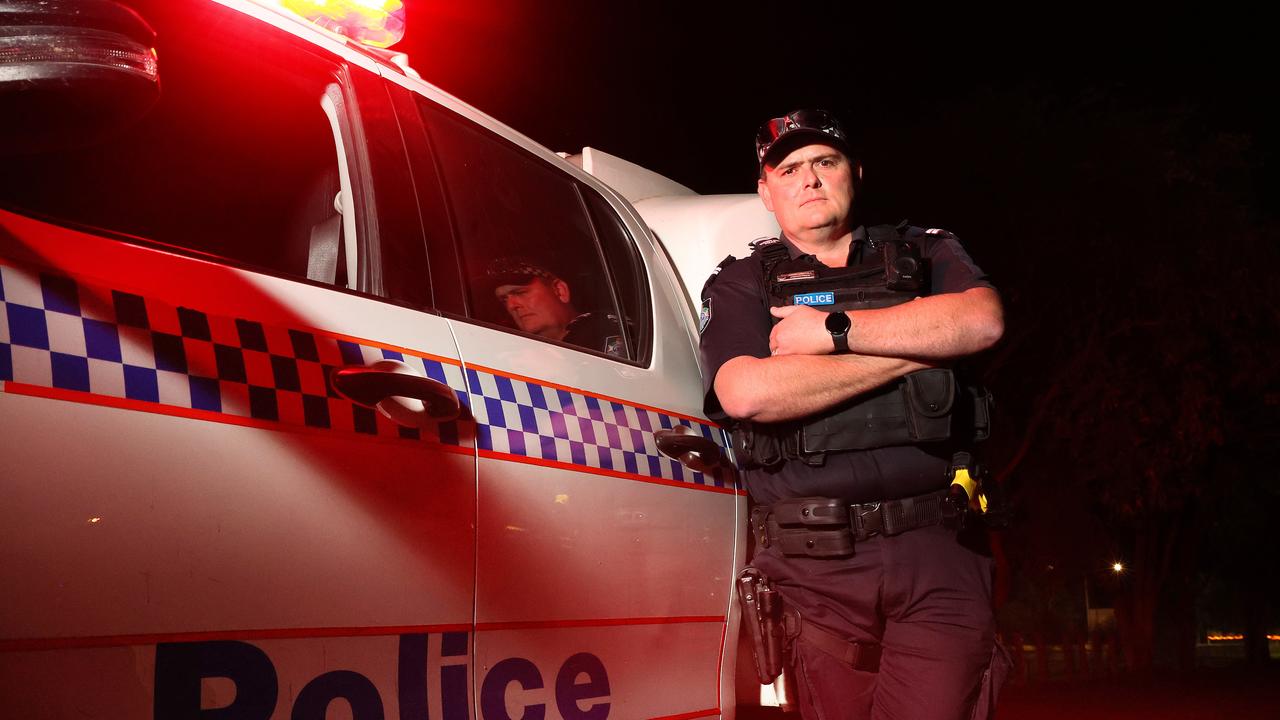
[{"x": 1093, "y": 616}]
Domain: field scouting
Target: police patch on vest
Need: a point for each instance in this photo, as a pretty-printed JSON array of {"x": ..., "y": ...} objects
[
  {"x": 704, "y": 316},
  {"x": 814, "y": 298}
]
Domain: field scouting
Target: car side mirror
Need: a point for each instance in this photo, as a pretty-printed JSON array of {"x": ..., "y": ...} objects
[{"x": 72, "y": 72}]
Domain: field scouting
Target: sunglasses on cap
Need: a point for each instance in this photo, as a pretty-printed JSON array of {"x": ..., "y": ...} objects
[{"x": 801, "y": 120}]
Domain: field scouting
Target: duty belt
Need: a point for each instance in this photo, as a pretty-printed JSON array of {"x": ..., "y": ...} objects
[{"x": 828, "y": 527}]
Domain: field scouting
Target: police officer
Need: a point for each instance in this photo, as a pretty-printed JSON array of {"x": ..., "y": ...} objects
[
  {"x": 892, "y": 612},
  {"x": 540, "y": 302}
]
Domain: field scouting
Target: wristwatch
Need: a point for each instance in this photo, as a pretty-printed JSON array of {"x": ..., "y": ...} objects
[{"x": 838, "y": 325}]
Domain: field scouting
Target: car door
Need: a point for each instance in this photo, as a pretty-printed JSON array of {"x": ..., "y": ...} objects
[
  {"x": 603, "y": 566},
  {"x": 238, "y": 467}
]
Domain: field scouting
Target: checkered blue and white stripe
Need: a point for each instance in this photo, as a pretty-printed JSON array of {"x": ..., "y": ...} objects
[
  {"x": 536, "y": 421},
  {"x": 58, "y": 333}
]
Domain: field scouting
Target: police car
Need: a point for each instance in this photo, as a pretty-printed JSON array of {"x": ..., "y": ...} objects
[{"x": 271, "y": 446}]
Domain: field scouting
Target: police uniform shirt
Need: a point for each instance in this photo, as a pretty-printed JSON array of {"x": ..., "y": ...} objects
[
  {"x": 737, "y": 322},
  {"x": 597, "y": 331}
]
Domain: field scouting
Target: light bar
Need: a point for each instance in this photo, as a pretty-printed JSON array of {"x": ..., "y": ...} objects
[{"x": 379, "y": 23}]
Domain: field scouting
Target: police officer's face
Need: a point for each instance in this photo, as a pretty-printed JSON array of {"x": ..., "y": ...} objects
[
  {"x": 809, "y": 189},
  {"x": 540, "y": 306}
]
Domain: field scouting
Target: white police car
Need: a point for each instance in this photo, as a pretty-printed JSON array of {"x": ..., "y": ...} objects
[{"x": 270, "y": 447}]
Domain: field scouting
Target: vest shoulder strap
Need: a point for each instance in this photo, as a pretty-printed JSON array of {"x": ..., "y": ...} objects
[
  {"x": 711, "y": 279},
  {"x": 878, "y": 235},
  {"x": 770, "y": 252}
]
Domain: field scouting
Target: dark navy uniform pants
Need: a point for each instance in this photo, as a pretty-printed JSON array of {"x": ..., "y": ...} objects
[{"x": 922, "y": 595}]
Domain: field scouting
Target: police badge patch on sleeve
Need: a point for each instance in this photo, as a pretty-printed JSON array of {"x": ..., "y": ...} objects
[
  {"x": 704, "y": 315},
  {"x": 613, "y": 346}
]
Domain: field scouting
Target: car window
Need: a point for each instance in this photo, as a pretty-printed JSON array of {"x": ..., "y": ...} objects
[
  {"x": 239, "y": 158},
  {"x": 541, "y": 253}
]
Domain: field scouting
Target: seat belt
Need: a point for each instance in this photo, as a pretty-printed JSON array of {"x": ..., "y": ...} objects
[{"x": 322, "y": 257}]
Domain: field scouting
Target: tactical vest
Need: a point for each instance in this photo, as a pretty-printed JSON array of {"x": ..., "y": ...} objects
[{"x": 926, "y": 406}]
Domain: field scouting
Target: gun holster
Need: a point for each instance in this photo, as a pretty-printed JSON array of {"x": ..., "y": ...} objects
[{"x": 770, "y": 625}]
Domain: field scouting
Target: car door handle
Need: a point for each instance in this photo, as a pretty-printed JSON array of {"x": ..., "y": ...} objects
[
  {"x": 687, "y": 447},
  {"x": 387, "y": 383}
]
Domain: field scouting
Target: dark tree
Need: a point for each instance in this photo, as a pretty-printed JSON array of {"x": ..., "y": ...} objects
[{"x": 1139, "y": 354}]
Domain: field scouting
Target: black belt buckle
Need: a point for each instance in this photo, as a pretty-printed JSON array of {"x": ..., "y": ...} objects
[
  {"x": 887, "y": 517},
  {"x": 866, "y": 520}
]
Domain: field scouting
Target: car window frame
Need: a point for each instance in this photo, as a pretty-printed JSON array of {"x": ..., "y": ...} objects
[
  {"x": 447, "y": 235},
  {"x": 642, "y": 338}
]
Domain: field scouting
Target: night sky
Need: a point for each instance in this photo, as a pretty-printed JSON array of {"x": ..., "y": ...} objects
[{"x": 681, "y": 86}]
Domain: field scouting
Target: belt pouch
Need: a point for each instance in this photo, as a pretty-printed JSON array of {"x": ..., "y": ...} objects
[
  {"x": 811, "y": 527},
  {"x": 930, "y": 395}
]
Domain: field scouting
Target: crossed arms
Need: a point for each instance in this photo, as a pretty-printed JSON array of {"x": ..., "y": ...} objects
[{"x": 802, "y": 377}]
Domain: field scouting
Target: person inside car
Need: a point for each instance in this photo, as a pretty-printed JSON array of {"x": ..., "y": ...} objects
[{"x": 541, "y": 303}]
